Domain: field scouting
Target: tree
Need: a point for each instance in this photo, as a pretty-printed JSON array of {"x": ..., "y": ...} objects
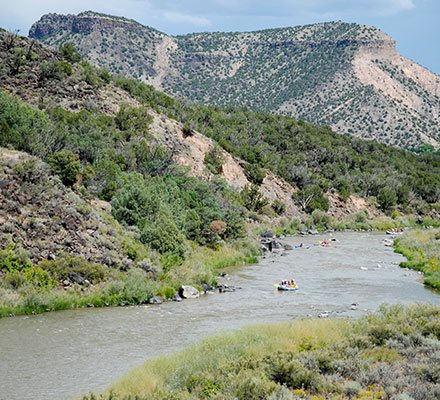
[
  {"x": 311, "y": 198},
  {"x": 252, "y": 199},
  {"x": 66, "y": 165},
  {"x": 70, "y": 53},
  {"x": 162, "y": 234},
  {"x": 18, "y": 60},
  {"x": 254, "y": 173},
  {"x": 133, "y": 121},
  {"x": 11, "y": 38},
  {"x": 279, "y": 207},
  {"x": 214, "y": 160},
  {"x": 386, "y": 198}
]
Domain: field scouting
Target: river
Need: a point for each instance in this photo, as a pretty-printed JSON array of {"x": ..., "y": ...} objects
[{"x": 62, "y": 355}]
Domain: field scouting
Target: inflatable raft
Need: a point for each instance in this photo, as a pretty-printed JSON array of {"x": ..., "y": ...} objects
[{"x": 287, "y": 288}]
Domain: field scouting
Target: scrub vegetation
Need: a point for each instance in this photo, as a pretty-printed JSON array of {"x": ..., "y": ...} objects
[
  {"x": 422, "y": 250},
  {"x": 159, "y": 224},
  {"x": 318, "y": 72},
  {"x": 29, "y": 289},
  {"x": 314, "y": 159},
  {"x": 392, "y": 354}
]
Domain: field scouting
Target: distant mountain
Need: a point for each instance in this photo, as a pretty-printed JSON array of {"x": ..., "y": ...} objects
[{"x": 348, "y": 76}]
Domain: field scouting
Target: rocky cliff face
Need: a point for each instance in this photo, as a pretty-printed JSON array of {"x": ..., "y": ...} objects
[{"x": 345, "y": 75}]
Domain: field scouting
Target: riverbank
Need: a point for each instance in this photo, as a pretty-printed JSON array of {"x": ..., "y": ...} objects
[
  {"x": 321, "y": 222},
  {"x": 422, "y": 250},
  {"x": 35, "y": 290},
  {"x": 388, "y": 354},
  {"x": 134, "y": 287}
]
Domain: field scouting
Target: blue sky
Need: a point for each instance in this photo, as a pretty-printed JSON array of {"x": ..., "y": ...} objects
[{"x": 413, "y": 23}]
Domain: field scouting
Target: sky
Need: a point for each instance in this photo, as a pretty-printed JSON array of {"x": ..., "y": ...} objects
[{"x": 414, "y": 24}]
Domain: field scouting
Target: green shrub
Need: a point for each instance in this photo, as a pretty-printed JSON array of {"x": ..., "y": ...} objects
[
  {"x": 66, "y": 165},
  {"x": 137, "y": 288},
  {"x": 214, "y": 160},
  {"x": 254, "y": 173},
  {"x": 14, "y": 280},
  {"x": 343, "y": 187},
  {"x": 252, "y": 199},
  {"x": 24, "y": 127},
  {"x": 360, "y": 217},
  {"x": 70, "y": 53},
  {"x": 387, "y": 199},
  {"x": 56, "y": 69},
  {"x": 203, "y": 386},
  {"x": 27, "y": 170},
  {"x": 18, "y": 59},
  {"x": 278, "y": 206},
  {"x": 162, "y": 234},
  {"x": 321, "y": 219},
  {"x": 13, "y": 258},
  {"x": 134, "y": 121},
  {"x": 167, "y": 292},
  {"x": 421, "y": 248},
  {"x": 90, "y": 74},
  {"x": 71, "y": 267},
  {"x": 39, "y": 277},
  {"x": 285, "y": 370},
  {"x": 252, "y": 385}
]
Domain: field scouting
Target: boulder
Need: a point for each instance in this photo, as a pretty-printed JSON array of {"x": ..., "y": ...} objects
[
  {"x": 156, "y": 300},
  {"x": 276, "y": 245},
  {"x": 313, "y": 232},
  {"x": 226, "y": 288},
  {"x": 287, "y": 247},
  {"x": 263, "y": 248},
  {"x": 189, "y": 292},
  {"x": 206, "y": 288},
  {"x": 268, "y": 235},
  {"x": 177, "y": 298}
]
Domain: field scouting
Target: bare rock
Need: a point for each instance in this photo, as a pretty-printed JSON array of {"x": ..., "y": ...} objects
[{"x": 189, "y": 292}]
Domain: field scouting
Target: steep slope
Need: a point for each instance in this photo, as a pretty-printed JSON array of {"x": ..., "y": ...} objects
[
  {"x": 348, "y": 76},
  {"x": 39, "y": 214},
  {"x": 114, "y": 124},
  {"x": 78, "y": 90}
]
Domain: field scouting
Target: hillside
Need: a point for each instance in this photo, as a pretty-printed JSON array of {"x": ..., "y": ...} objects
[
  {"x": 92, "y": 112},
  {"x": 38, "y": 213},
  {"x": 115, "y": 193},
  {"x": 348, "y": 76}
]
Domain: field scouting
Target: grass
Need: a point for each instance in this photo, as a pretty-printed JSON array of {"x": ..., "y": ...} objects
[
  {"x": 389, "y": 354},
  {"x": 422, "y": 250},
  {"x": 249, "y": 343},
  {"x": 132, "y": 287},
  {"x": 213, "y": 260}
]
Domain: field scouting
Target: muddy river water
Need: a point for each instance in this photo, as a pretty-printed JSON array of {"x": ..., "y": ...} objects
[{"x": 62, "y": 355}]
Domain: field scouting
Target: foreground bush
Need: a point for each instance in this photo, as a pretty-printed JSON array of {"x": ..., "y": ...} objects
[{"x": 392, "y": 354}]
